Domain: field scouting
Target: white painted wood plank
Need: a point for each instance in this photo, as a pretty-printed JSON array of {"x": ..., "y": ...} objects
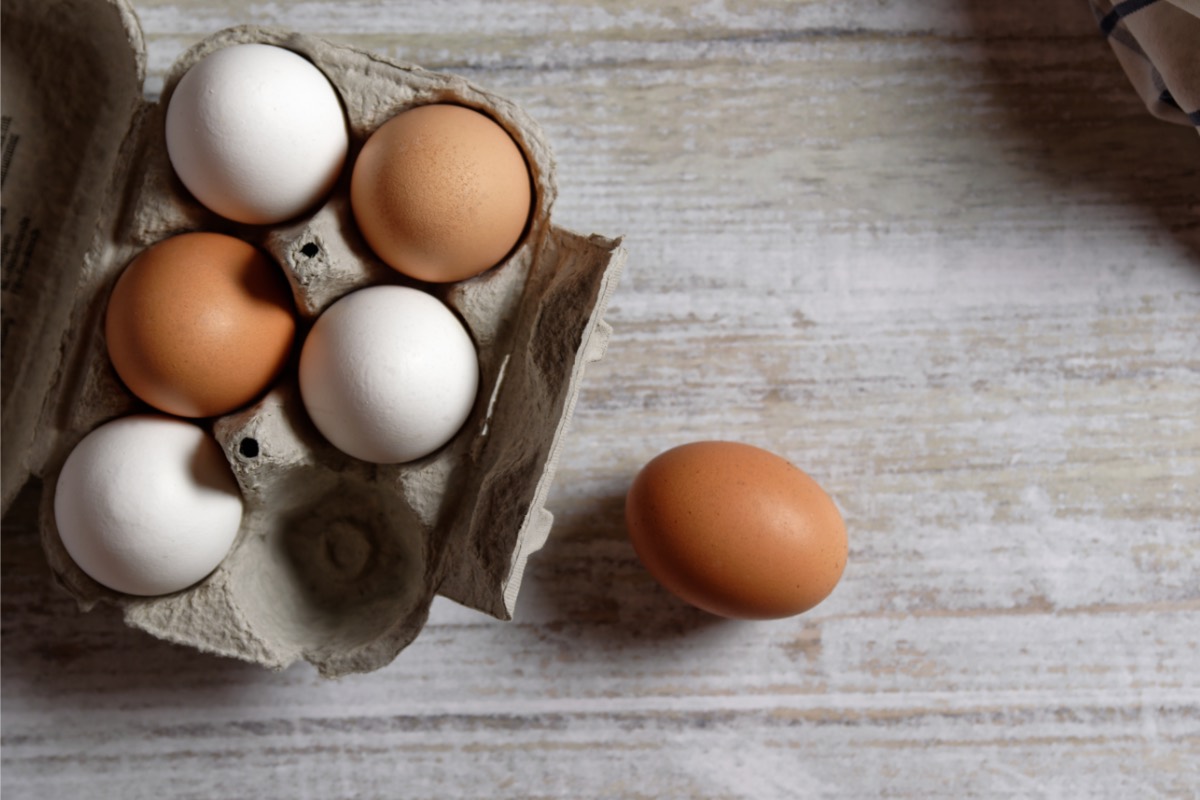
[{"x": 935, "y": 253}]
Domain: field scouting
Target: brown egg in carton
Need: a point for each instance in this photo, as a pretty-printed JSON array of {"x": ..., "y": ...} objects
[{"x": 337, "y": 560}]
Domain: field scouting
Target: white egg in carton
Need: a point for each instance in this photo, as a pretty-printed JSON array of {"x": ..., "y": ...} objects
[{"x": 337, "y": 560}]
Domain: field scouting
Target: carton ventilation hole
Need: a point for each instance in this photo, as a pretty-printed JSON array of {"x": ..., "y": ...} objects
[
  {"x": 309, "y": 250},
  {"x": 248, "y": 447}
]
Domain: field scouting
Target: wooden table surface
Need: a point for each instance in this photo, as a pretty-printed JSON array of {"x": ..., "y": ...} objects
[{"x": 939, "y": 256}]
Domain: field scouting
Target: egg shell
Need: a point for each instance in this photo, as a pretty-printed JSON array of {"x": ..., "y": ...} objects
[
  {"x": 200, "y": 324},
  {"x": 736, "y": 530},
  {"x": 256, "y": 133},
  {"x": 337, "y": 560},
  {"x": 441, "y": 192},
  {"x": 388, "y": 374},
  {"x": 147, "y": 505}
]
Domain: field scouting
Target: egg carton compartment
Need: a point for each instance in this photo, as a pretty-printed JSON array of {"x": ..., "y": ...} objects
[{"x": 337, "y": 560}]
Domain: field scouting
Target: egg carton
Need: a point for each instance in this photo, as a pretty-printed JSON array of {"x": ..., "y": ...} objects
[{"x": 337, "y": 560}]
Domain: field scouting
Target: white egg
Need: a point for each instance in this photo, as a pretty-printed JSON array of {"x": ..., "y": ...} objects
[
  {"x": 147, "y": 505},
  {"x": 388, "y": 374},
  {"x": 256, "y": 133}
]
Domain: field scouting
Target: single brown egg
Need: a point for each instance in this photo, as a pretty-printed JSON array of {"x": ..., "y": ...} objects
[
  {"x": 736, "y": 530},
  {"x": 200, "y": 324},
  {"x": 441, "y": 193}
]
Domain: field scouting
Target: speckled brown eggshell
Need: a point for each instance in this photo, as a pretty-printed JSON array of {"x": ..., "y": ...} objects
[
  {"x": 441, "y": 193},
  {"x": 200, "y": 324},
  {"x": 736, "y": 530}
]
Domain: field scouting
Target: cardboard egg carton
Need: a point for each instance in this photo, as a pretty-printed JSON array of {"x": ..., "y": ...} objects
[{"x": 337, "y": 560}]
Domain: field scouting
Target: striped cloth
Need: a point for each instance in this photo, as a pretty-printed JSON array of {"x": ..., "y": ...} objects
[{"x": 1158, "y": 44}]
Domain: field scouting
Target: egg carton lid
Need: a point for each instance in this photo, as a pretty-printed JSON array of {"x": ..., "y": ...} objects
[{"x": 72, "y": 77}]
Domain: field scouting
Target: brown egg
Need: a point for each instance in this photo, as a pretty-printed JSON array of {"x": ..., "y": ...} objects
[
  {"x": 736, "y": 530},
  {"x": 441, "y": 193},
  {"x": 200, "y": 324}
]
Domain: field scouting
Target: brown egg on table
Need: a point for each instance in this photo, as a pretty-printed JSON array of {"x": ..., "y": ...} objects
[
  {"x": 736, "y": 530},
  {"x": 200, "y": 324},
  {"x": 441, "y": 193}
]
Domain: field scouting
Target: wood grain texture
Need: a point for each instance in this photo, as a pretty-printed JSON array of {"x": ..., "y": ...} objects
[{"x": 935, "y": 253}]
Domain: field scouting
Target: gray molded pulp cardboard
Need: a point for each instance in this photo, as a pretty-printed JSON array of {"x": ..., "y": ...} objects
[{"x": 337, "y": 560}]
